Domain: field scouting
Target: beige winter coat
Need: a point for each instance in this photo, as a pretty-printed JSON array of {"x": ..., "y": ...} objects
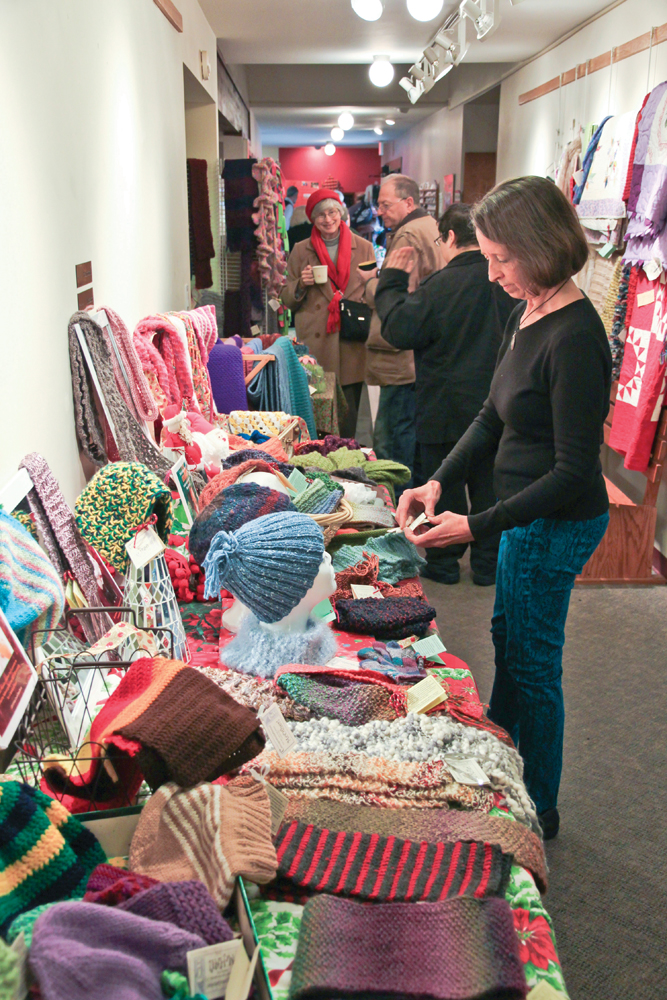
[
  {"x": 347, "y": 360},
  {"x": 386, "y": 365}
]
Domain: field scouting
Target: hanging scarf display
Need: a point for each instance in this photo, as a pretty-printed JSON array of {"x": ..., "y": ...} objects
[{"x": 338, "y": 273}]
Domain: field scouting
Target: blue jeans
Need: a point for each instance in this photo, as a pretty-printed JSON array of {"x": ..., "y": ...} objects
[
  {"x": 394, "y": 432},
  {"x": 536, "y": 570}
]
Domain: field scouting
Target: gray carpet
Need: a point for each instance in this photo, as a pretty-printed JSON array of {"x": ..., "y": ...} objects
[{"x": 608, "y": 882}]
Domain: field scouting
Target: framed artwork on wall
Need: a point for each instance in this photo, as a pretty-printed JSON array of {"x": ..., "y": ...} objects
[{"x": 448, "y": 184}]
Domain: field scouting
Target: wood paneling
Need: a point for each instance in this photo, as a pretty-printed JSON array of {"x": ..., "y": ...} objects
[
  {"x": 581, "y": 70},
  {"x": 545, "y": 88},
  {"x": 599, "y": 62},
  {"x": 638, "y": 44},
  {"x": 568, "y": 77},
  {"x": 171, "y": 12}
]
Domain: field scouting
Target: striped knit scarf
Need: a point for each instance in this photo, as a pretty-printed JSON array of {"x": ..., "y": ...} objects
[
  {"x": 139, "y": 396},
  {"x": 31, "y": 594},
  {"x": 383, "y": 869}
]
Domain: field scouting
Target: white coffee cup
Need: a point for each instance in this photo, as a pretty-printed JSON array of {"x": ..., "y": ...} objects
[{"x": 320, "y": 274}]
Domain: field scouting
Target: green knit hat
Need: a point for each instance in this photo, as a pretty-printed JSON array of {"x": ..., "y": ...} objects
[{"x": 120, "y": 497}]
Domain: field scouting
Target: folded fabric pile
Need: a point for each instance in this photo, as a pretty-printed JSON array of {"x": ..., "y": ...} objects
[
  {"x": 339, "y": 698},
  {"x": 31, "y": 595},
  {"x": 165, "y": 721},
  {"x": 386, "y": 618},
  {"x": 383, "y": 868},
  {"x": 365, "y": 572},
  {"x": 382, "y": 471},
  {"x": 399, "y": 663},
  {"x": 45, "y": 853},
  {"x": 317, "y": 499},
  {"x": 398, "y": 559},
  {"x": 118, "y": 499},
  {"x": 456, "y": 949},
  {"x": 232, "y": 507},
  {"x": 213, "y": 833}
]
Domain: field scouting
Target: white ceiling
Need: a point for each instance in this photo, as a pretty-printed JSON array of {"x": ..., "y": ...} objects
[{"x": 328, "y": 31}]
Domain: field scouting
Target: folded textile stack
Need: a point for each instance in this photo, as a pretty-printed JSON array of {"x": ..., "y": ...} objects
[
  {"x": 386, "y": 618},
  {"x": 256, "y": 693}
]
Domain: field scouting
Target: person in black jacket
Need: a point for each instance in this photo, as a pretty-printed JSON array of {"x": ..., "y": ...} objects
[{"x": 453, "y": 322}]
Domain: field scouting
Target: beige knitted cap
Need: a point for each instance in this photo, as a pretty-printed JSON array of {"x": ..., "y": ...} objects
[{"x": 211, "y": 833}]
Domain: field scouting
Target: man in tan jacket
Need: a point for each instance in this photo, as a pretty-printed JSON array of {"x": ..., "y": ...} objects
[{"x": 391, "y": 369}]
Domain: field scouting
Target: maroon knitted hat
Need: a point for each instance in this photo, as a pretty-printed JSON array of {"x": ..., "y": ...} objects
[
  {"x": 110, "y": 886},
  {"x": 188, "y": 905}
]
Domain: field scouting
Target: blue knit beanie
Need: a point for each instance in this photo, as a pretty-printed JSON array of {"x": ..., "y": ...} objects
[{"x": 269, "y": 564}]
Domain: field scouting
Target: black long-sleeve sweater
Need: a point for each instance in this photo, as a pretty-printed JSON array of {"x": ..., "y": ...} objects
[{"x": 543, "y": 420}]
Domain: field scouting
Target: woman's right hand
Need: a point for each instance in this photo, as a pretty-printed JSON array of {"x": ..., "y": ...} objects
[
  {"x": 307, "y": 277},
  {"x": 414, "y": 502}
]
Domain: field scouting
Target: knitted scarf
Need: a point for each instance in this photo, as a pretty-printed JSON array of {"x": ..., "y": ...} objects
[
  {"x": 155, "y": 337},
  {"x": 139, "y": 396},
  {"x": 338, "y": 273},
  {"x": 382, "y": 869},
  {"x": 431, "y": 825},
  {"x": 389, "y": 618},
  {"x": 128, "y": 437},
  {"x": 31, "y": 595},
  {"x": 199, "y": 213},
  {"x": 459, "y": 948},
  {"x": 339, "y": 698}
]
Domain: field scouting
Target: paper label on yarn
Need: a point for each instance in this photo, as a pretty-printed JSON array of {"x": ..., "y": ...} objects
[
  {"x": 240, "y": 979},
  {"x": 20, "y": 949},
  {"x": 429, "y": 647},
  {"x": 277, "y": 730},
  {"x": 607, "y": 250},
  {"x": 255, "y": 330},
  {"x": 278, "y": 803},
  {"x": 324, "y": 611},
  {"x": 410, "y": 641},
  {"x": 362, "y": 590},
  {"x": 427, "y": 694},
  {"x": 646, "y": 298},
  {"x": 210, "y": 968},
  {"x": 274, "y": 304},
  {"x": 465, "y": 770},
  {"x": 144, "y": 546},
  {"x": 343, "y": 663},
  {"x": 297, "y": 479},
  {"x": 544, "y": 991},
  {"x": 652, "y": 269}
]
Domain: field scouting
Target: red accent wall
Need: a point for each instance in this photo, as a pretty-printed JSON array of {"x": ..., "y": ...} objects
[{"x": 354, "y": 166}]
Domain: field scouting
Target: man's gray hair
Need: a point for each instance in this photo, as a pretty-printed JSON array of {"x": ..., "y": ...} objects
[
  {"x": 326, "y": 205},
  {"x": 404, "y": 186}
]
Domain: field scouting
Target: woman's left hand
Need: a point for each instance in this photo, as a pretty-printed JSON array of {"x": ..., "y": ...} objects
[
  {"x": 402, "y": 259},
  {"x": 447, "y": 529}
]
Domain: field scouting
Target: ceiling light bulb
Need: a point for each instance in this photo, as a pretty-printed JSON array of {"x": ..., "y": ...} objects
[
  {"x": 330, "y": 149},
  {"x": 381, "y": 72},
  {"x": 369, "y": 10},
  {"x": 337, "y": 133},
  {"x": 390, "y": 121},
  {"x": 345, "y": 121},
  {"x": 425, "y": 10},
  {"x": 377, "y": 130}
]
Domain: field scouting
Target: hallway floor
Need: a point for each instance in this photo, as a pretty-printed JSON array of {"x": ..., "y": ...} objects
[{"x": 608, "y": 865}]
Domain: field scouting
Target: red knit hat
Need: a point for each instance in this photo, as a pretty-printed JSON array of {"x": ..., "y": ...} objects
[{"x": 318, "y": 196}]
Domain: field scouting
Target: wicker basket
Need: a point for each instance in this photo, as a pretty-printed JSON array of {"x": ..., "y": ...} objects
[{"x": 330, "y": 523}]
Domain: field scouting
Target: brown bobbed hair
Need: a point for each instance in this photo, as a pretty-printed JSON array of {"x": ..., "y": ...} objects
[{"x": 538, "y": 225}]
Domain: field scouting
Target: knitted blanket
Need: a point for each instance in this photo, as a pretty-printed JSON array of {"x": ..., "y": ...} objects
[
  {"x": 431, "y": 825},
  {"x": 47, "y": 855},
  {"x": 31, "y": 595},
  {"x": 398, "y": 559},
  {"x": 456, "y": 949},
  {"x": 389, "y": 618},
  {"x": 373, "y": 781},
  {"x": 339, "y": 698},
  {"x": 381, "y": 869}
]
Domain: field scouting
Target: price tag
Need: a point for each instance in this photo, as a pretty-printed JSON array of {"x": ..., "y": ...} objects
[
  {"x": 312, "y": 390},
  {"x": 343, "y": 663},
  {"x": 544, "y": 991},
  {"x": 417, "y": 521},
  {"x": 429, "y": 647},
  {"x": 607, "y": 250},
  {"x": 646, "y": 298},
  {"x": 278, "y": 803},
  {"x": 298, "y": 481},
  {"x": 274, "y": 304},
  {"x": 277, "y": 730},
  {"x": 324, "y": 611},
  {"x": 240, "y": 980},
  {"x": 652, "y": 269},
  {"x": 404, "y": 643},
  {"x": 210, "y": 969},
  {"x": 255, "y": 330},
  {"x": 425, "y": 695},
  {"x": 101, "y": 319},
  {"x": 362, "y": 590},
  {"x": 144, "y": 546},
  {"x": 466, "y": 771}
]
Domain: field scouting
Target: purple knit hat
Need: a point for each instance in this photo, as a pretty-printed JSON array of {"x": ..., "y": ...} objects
[
  {"x": 189, "y": 905},
  {"x": 82, "y": 951},
  {"x": 225, "y": 366},
  {"x": 229, "y": 509}
]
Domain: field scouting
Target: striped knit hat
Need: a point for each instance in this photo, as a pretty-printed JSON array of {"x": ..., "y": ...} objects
[
  {"x": 268, "y": 564},
  {"x": 31, "y": 594},
  {"x": 45, "y": 853},
  {"x": 231, "y": 508},
  {"x": 119, "y": 498}
]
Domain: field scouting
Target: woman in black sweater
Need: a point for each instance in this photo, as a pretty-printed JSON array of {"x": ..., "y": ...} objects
[{"x": 543, "y": 422}]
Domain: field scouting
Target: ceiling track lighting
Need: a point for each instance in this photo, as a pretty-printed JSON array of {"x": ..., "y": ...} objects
[
  {"x": 449, "y": 47},
  {"x": 381, "y": 71},
  {"x": 369, "y": 10}
]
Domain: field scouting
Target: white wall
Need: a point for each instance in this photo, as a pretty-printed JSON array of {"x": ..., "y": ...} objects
[
  {"x": 432, "y": 148},
  {"x": 531, "y": 136},
  {"x": 92, "y": 167}
]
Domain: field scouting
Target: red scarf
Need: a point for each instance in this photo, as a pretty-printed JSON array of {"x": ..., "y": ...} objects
[{"x": 339, "y": 273}]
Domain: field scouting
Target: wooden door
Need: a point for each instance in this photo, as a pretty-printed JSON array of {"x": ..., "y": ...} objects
[{"x": 479, "y": 176}]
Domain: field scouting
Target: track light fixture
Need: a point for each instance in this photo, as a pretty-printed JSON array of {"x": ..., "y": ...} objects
[{"x": 482, "y": 13}]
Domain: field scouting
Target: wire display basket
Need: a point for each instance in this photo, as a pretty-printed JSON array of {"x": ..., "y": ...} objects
[
  {"x": 53, "y": 749},
  {"x": 150, "y": 595}
]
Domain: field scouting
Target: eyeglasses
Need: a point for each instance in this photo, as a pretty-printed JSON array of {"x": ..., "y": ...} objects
[
  {"x": 438, "y": 242},
  {"x": 331, "y": 213},
  {"x": 387, "y": 204}
]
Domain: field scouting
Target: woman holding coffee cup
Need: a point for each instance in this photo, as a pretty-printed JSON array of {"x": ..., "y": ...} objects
[{"x": 321, "y": 272}]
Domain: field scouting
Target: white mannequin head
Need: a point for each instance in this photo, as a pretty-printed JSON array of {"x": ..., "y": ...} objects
[
  {"x": 324, "y": 585},
  {"x": 268, "y": 479}
]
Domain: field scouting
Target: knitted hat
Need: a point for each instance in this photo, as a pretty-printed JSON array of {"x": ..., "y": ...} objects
[
  {"x": 211, "y": 833},
  {"x": 119, "y": 498},
  {"x": 189, "y": 905},
  {"x": 268, "y": 564},
  {"x": 389, "y": 618},
  {"x": 9, "y": 972},
  {"x": 229, "y": 476},
  {"x": 81, "y": 951},
  {"x": 231, "y": 508},
  {"x": 262, "y": 453},
  {"x": 225, "y": 366},
  {"x": 463, "y": 948},
  {"x": 322, "y": 194},
  {"x": 31, "y": 594},
  {"x": 110, "y": 886},
  {"x": 45, "y": 854}
]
